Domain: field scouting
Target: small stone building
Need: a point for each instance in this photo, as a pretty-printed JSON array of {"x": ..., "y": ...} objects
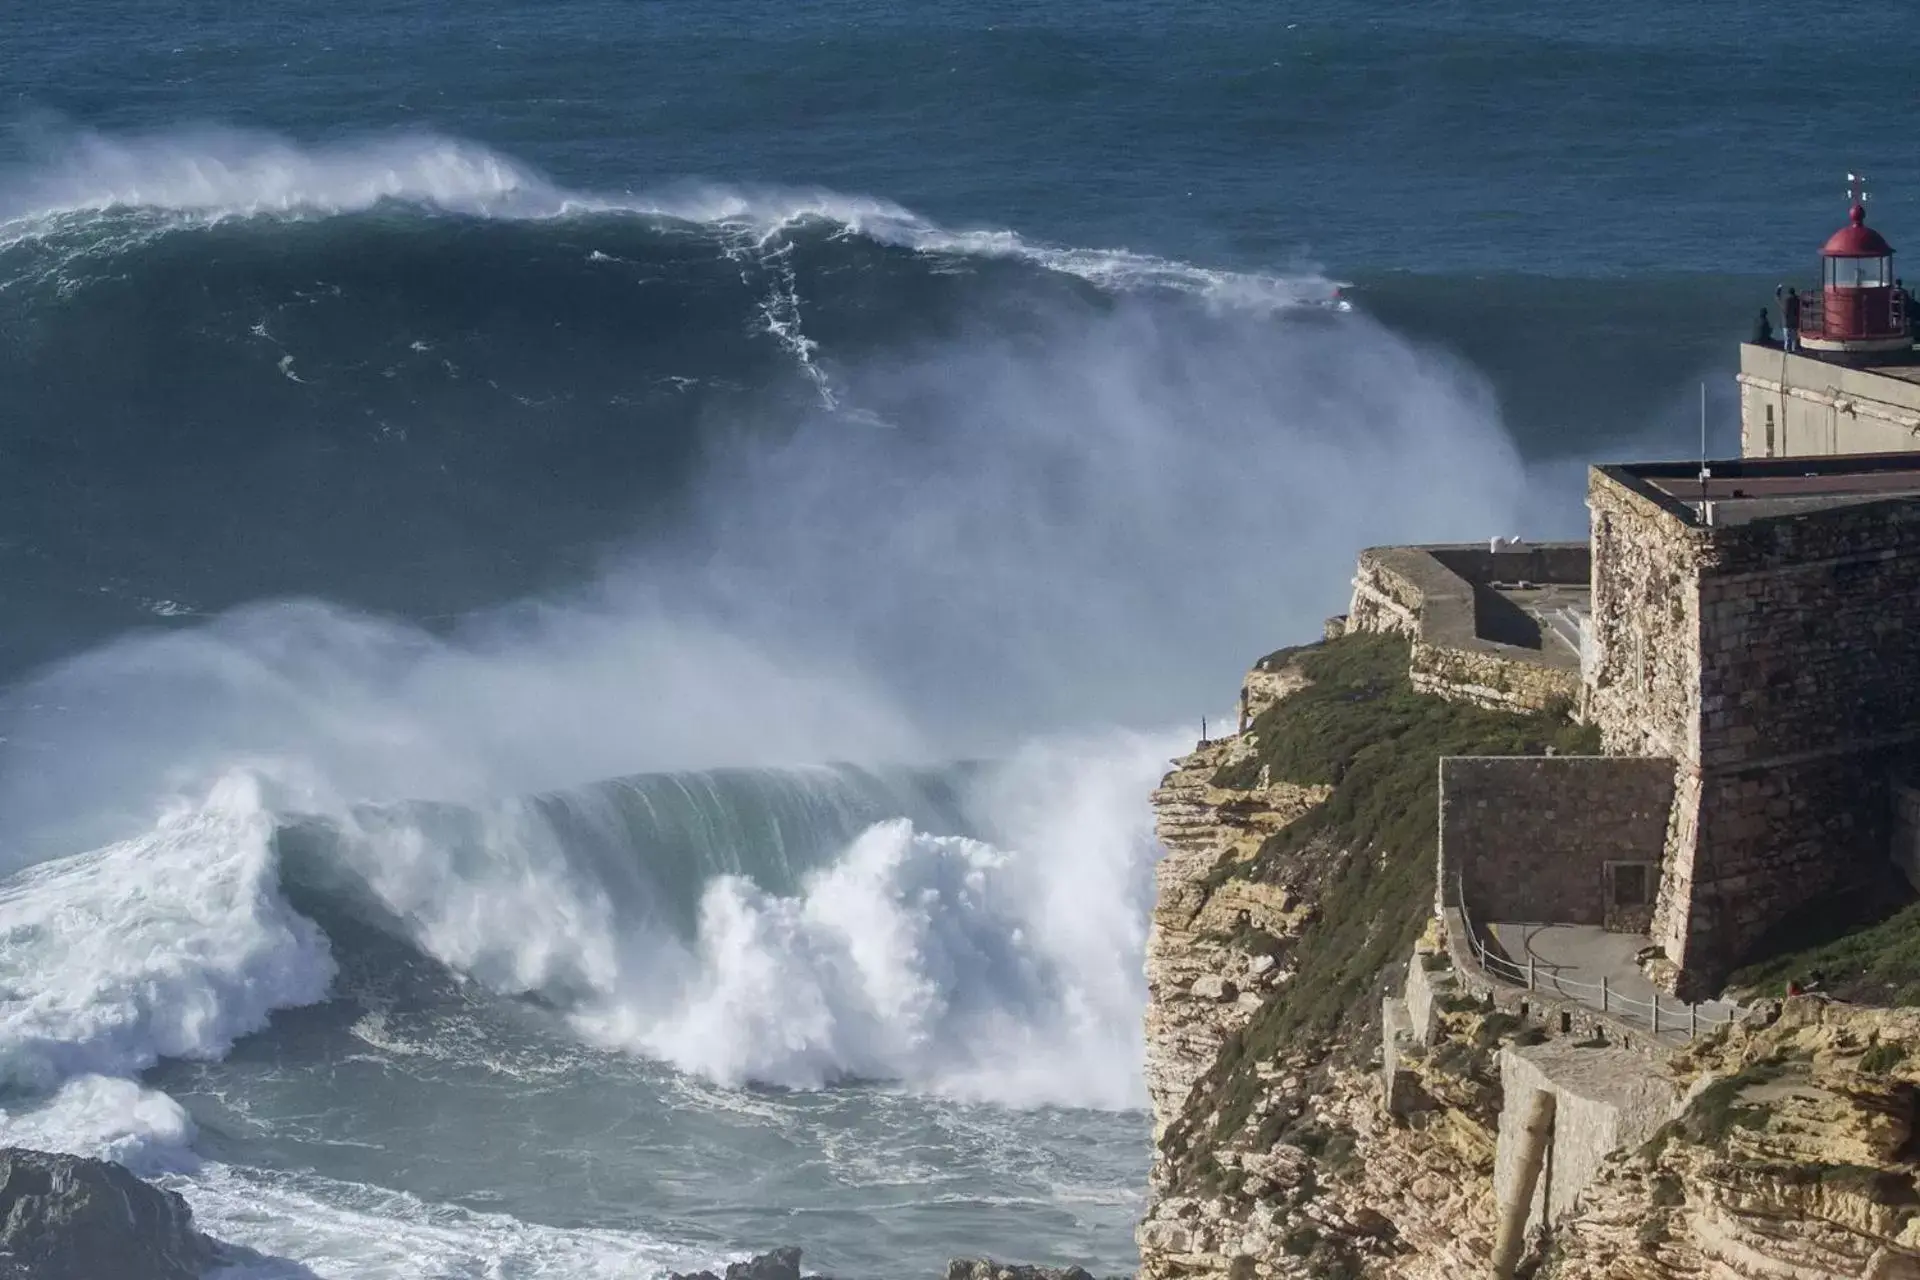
[{"x": 1761, "y": 629}]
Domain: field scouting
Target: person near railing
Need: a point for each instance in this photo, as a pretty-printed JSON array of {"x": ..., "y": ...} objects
[{"x": 1790, "y": 320}]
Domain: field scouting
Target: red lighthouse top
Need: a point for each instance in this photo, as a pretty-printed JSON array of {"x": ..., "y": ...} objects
[
  {"x": 1856, "y": 239},
  {"x": 1860, "y": 313}
]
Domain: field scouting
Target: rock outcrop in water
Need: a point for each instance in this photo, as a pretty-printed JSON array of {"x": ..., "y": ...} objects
[
  {"x": 784, "y": 1264},
  {"x": 781, "y": 1264},
  {"x": 70, "y": 1218},
  {"x": 988, "y": 1269},
  {"x": 1297, "y": 884}
]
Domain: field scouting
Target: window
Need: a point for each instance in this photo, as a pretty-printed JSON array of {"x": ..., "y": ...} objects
[
  {"x": 1629, "y": 884},
  {"x": 1769, "y": 452},
  {"x": 1859, "y": 273}
]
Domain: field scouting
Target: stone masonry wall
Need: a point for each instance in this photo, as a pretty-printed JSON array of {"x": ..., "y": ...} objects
[
  {"x": 1643, "y": 684},
  {"x": 1808, "y": 636},
  {"x": 1527, "y": 562},
  {"x": 1766, "y": 841},
  {"x": 1490, "y": 680},
  {"x": 1809, "y": 688},
  {"x": 1529, "y": 837}
]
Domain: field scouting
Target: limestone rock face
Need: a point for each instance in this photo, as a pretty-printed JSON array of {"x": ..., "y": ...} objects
[
  {"x": 69, "y": 1218},
  {"x": 1201, "y": 985},
  {"x": 1796, "y": 1158}
]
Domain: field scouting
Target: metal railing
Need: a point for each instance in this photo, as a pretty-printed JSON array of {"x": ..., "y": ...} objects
[
  {"x": 1813, "y": 317},
  {"x": 1688, "y": 1017}
]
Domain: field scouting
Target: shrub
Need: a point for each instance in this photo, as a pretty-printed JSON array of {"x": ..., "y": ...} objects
[{"x": 1882, "y": 1057}]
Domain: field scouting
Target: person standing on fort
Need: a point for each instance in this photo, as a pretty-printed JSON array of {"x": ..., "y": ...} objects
[
  {"x": 1762, "y": 330},
  {"x": 1790, "y": 320}
]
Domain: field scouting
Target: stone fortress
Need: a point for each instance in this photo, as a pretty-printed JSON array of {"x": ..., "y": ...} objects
[{"x": 1745, "y": 636}]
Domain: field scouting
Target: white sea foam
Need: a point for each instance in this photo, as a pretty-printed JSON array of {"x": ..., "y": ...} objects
[
  {"x": 107, "y": 1118},
  {"x": 961, "y": 967},
  {"x": 305, "y": 1225},
  {"x": 212, "y": 172},
  {"x": 1010, "y": 974},
  {"x": 171, "y": 944},
  {"x": 351, "y": 1231}
]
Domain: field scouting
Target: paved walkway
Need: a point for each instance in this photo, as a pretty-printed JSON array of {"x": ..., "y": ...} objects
[{"x": 1571, "y": 960}]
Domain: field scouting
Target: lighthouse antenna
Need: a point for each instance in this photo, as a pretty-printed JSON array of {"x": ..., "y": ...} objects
[
  {"x": 1705, "y": 474},
  {"x": 1857, "y": 188}
]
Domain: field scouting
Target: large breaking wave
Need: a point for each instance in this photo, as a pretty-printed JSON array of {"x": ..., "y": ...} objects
[
  {"x": 771, "y": 479},
  {"x": 788, "y": 927}
]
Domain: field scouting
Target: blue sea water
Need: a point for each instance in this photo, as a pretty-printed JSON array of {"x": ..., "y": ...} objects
[{"x": 594, "y": 590}]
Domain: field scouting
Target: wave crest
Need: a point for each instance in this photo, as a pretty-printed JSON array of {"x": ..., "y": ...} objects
[
  {"x": 196, "y": 176},
  {"x": 236, "y": 173}
]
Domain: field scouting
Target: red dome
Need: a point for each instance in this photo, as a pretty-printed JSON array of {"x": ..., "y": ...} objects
[{"x": 1856, "y": 240}]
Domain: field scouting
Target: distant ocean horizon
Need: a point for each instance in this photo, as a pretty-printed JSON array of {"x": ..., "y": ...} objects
[{"x": 595, "y": 594}]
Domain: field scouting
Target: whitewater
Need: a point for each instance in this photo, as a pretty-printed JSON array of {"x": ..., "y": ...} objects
[{"x": 781, "y": 877}]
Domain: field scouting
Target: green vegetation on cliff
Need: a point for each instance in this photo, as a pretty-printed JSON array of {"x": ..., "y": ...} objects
[
  {"x": 1364, "y": 859},
  {"x": 1848, "y": 946}
]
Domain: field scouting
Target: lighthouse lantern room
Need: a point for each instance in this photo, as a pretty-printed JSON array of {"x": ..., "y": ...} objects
[{"x": 1858, "y": 309}]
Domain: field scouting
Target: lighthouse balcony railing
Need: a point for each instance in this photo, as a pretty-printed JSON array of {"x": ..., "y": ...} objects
[{"x": 1883, "y": 315}]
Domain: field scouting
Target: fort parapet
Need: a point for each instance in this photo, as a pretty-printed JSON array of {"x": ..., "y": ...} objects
[{"x": 1499, "y": 628}]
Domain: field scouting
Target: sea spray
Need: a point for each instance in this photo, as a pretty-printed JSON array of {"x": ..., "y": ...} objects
[
  {"x": 1053, "y": 490},
  {"x": 171, "y": 944}
]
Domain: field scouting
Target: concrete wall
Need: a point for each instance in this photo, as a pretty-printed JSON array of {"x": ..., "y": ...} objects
[
  {"x": 1420, "y": 999},
  {"x": 1530, "y": 837},
  {"x": 1797, "y": 405},
  {"x": 1606, "y": 1099},
  {"x": 1778, "y": 663},
  {"x": 1396, "y": 1084},
  {"x": 1537, "y": 562},
  {"x": 1433, "y": 595}
]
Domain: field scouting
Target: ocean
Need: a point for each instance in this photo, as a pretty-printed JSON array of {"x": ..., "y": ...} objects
[{"x": 594, "y": 591}]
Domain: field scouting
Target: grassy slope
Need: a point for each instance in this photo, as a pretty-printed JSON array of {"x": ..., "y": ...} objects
[
  {"x": 1361, "y": 728},
  {"x": 1853, "y": 949}
]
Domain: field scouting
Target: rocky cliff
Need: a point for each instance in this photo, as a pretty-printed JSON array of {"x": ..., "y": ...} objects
[{"x": 1297, "y": 885}]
